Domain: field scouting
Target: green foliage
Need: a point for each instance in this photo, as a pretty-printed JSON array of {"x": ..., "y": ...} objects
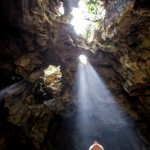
[
  {"x": 53, "y": 77},
  {"x": 51, "y": 67},
  {"x": 51, "y": 70},
  {"x": 94, "y": 8},
  {"x": 92, "y": 12},
  {"x": 89, "y": 31}
]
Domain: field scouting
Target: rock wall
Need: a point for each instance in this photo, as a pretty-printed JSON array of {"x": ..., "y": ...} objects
[{"x": 125, "y": 36}]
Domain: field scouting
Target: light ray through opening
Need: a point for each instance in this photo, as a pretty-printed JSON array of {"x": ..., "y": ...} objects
[
  {"x": 83, "y": 59},
  {"x": 98, "y": 112}
]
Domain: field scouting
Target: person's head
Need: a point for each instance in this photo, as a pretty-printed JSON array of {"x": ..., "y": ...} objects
[{"x": 96, "y": 146}]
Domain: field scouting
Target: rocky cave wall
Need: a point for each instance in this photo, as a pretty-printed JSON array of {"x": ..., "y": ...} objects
[
  {"x": 127, "y": 37},
  {"x": 34, "y": 36}
]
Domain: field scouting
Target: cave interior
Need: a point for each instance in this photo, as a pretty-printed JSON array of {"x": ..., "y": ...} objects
[{"x": 73, "y": 72}]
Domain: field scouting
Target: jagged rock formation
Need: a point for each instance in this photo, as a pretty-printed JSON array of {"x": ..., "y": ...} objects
[{"x": 34, "y": 36}]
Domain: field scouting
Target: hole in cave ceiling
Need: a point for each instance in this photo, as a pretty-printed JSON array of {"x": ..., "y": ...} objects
[
  {"x": 48, "y": 86},
  {"x": 86, "y": 18},
  {"x": 83, "y": 59}
]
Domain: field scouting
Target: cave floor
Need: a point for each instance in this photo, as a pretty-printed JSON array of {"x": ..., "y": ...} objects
[{"x": 77, "y": 133}]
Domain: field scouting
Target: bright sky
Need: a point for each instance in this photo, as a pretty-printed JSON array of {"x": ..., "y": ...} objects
[{"x": 81, "y": 20}]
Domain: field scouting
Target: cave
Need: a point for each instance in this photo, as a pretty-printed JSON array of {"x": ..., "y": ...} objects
[{"x": 74, "y": 72}]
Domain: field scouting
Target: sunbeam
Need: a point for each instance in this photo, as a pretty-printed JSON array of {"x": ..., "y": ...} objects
[
  {"x": 99, "y": 114},
  {"x": 93, "y": 95},
  {"x": 11, "y": 89}
]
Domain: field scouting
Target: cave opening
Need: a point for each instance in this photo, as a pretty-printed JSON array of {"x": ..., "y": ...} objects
[
  {"x": 48, "y": 86},
  {"x": 83, "y": 59},
  {"x": 86, "y": 17}
]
